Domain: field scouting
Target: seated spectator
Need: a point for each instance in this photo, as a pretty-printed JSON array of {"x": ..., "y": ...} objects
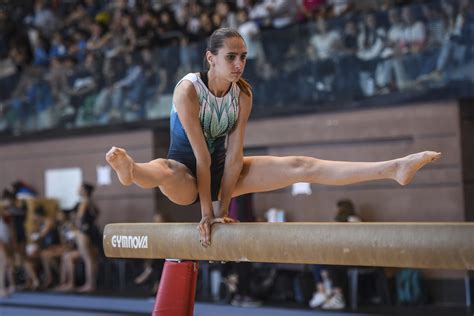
[
  {"x": 16, "y": 208},
  {"x": 67, "y": 275},
  {"x": 56, "y": 250},
  {"x": 407, "y": 63},
  {"x": 45, "y": 236},
  {"x": 152, "y": 268},
  {"x": 251, "y": 35},
  {"x": 128, "y": 93},
  {"x": 40, "y": 51},
  {"x": 371, "y": 42},
  {"x": 321, "y": 51},
  {"x": 6, "y": 258},
  {"x": 308, "y": 8},
  {"x": 228, "y": 17},
  {"x": 330, "y": 280},
  {"x": 436, "y": 28},
  {"x": 339, "y": 7},
  {"x": 371, "y": 39},
  {"x": 154, "y": 77},
  {"x": 348, "y": 64},
  {"x": 99, "y": 37},
  {"x": 78, "y": 45},
  {"x": 281, "y": 12},
  {"x": 384, "y": 71},
  {"x": 84, "y": 90},
  {"x": 457, "y": 39},
  {"x": 58, "y": 46},
  {"x": 241, "y": 209},
  {"x": 43, "y": 18}
]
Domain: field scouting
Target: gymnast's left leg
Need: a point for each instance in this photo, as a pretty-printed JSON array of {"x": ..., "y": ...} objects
[{"x": 266, "y": 173}]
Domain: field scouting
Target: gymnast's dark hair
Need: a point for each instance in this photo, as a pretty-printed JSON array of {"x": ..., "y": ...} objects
[{"x": 215, "y": 42}]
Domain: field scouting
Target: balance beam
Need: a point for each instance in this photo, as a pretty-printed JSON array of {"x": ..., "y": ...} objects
[{"x": 415, "y": 245}]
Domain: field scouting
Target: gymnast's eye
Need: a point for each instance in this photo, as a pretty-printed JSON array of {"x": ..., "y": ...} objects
[{"x": 231, "y": 57}]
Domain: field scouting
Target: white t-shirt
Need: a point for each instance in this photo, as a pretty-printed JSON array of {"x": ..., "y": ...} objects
[
  {"x": 324, "y": 43},
  {"x": 415, "y": 33},
  {"x": 249, "y": 30}
]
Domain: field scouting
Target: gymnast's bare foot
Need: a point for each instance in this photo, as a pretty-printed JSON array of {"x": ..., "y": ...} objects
[
  {"x": 409, "y": 165},
  {"x": 122, "y": 163}
]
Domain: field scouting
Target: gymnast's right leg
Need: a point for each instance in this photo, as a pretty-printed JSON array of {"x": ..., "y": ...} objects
[{"x": 172, "y": 177}]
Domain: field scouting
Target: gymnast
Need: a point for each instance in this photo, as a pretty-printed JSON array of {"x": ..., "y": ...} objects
[{"x": 205, "y": 161}]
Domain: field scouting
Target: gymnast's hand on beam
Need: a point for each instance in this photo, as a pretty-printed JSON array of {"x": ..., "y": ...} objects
[{"x": 205, "y": 225}]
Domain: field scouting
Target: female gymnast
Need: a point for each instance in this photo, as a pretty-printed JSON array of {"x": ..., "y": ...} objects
[{"x": 205, "y": 161}]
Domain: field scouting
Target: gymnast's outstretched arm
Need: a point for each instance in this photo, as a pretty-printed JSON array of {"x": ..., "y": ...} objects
[{"x": 234, "y": 155}]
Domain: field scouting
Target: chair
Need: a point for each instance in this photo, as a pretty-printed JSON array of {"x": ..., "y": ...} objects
[{"x": 381, "y": 284}]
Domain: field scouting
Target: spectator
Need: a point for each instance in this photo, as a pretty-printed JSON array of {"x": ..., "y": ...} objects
[
  {"x": 339, "y": 7},
  {"x": 41, "y": 52},
  {"x": 205, "y": 26},
  {"x": 308, "y": 8},
  {"x": 281, "y": 12},
  {"x": 370, "y": 44},
  {"x": 16, "y": 208},
  {"x": 152, "y": 268},
  {"x": 371, "y": 39},
  {"x": 147, "y": 29},
  {"x": 241, "y": 209},
  {"x": 88, "y": 81},
  {"x": 154, "y": 75},
  {"x": 57, "y": 250},
  {"x": 129, "y": 32},
  {"x": 78, "y": 46},
  {"x": 68, "y": 232},
  {"x": 43, "y": 18},
  {"x": 321, "y": 51},
  {"x": 99, "y": 37},
  {"x": 88, "y": 237},
  {"x": 348, "y": 65},
  {"x": 251, "y": 35},
  {"x": 7, "y": 31},
  {"x": 58, "y": 46},
  {"x": 227, "y": 16},
  {"x": 75, "y": 16},
  {"x": 407, "y": 63},
  {"x": 6, "y": 259},
  {"x": 127, "y": 94},
  {"x": 330, "y": 280},
  {"x": 44, "y": 238},
  {"x": 384, "y": 75},
  {"x": 457, "y": 40}
]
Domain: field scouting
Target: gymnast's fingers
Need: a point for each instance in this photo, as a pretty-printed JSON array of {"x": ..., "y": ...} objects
[
  {"x": 207, "y": 234},
  {"x": 202, "y": 236}
]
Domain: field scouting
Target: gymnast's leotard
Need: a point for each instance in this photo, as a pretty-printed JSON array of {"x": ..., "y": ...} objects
[{"x": 217, "y": 116}]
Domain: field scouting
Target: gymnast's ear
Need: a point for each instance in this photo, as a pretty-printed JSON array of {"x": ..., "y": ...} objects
[{"x": 210, "y": 58}]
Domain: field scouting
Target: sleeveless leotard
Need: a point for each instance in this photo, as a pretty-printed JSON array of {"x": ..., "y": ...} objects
[{"x": 217, "y": 116}]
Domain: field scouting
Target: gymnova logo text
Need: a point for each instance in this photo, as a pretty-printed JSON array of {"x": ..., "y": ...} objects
[{"x": 135, "y": 242}]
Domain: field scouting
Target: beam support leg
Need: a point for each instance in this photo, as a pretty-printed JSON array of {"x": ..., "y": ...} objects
[{"x": 177, "y": 290}]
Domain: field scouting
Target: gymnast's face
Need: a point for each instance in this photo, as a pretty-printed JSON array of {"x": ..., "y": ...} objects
[{"x": 229, "y": 63}]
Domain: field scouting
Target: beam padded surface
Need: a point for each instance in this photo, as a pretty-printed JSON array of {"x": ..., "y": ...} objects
[{"x": 416, "y": 245}]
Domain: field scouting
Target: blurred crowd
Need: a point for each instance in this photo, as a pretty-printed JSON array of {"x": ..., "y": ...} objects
[
  {"x": 69, "y": 64},
  {"x": 43, "y": 247}
]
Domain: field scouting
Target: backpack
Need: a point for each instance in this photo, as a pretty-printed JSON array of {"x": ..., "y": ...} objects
[{"x": 409, "y": 287}]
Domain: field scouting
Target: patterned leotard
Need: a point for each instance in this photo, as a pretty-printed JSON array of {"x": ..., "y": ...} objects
[{"x": 218, "y": 116}]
